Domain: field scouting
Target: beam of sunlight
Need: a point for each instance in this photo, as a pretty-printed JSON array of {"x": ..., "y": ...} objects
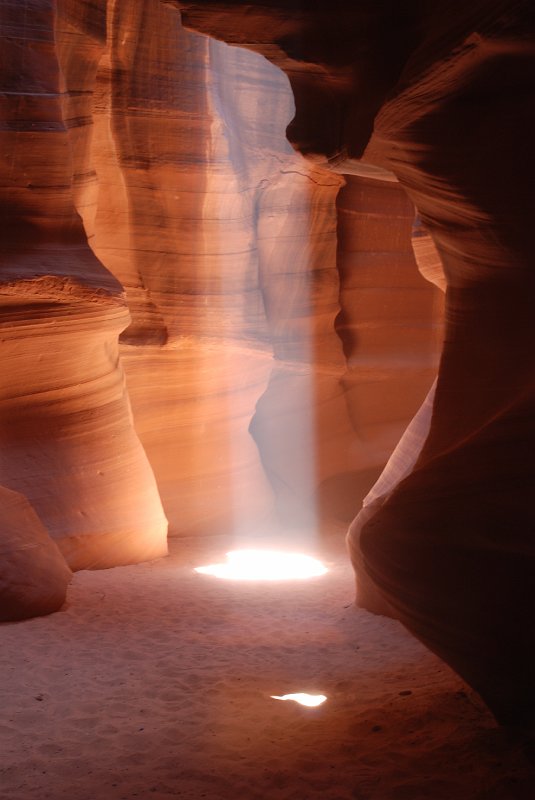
[
  {"x": 265, "y": 565},
  {"x": 304, "y": 699}
]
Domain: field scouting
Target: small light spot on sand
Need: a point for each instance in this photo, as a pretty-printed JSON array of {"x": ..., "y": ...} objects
[{"x": 304, "y": 699}]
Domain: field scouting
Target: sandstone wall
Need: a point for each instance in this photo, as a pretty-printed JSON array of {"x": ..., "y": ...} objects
[
  {"x": 225, "y": 240},
  {"x": 67, "y": 443},
  {"x": 156, "y": 219},
  {"x": 441, "y": 95}
]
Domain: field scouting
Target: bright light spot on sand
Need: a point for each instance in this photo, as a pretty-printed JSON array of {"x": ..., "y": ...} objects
[
  {"x": 265, "y": 565},
  {"x": 311, "y": 700}
]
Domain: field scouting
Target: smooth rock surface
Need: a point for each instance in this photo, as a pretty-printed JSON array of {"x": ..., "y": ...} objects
[
  {"x": 150, "y": 194},
  {"x": 67, "y": 440},
  {"x": 66, "y": 437},
  {"x": 33, "y": 573},
  {"x": 225, "y": 240}
]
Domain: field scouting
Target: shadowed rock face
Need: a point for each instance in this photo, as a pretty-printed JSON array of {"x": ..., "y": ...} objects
[
  {"x": 445, "y": 543},
  {"x": 341, "y": 60}
]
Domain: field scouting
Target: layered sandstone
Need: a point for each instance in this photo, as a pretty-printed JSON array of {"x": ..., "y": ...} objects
[
  {"x": 151, "y": 196},
  {"x": 225, "y": 240},
  {"x": 448, "y": 93},
  {"x": 67, "y": 440},
  {"x": 268, "y": 367}
]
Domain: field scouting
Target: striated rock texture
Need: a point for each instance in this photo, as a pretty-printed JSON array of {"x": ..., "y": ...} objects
[
  {"x": 275, "y": 335},
  {"x": 225, "y": 241},
  {"x": 156, "y": 219},
  {"x": 67, "y": 443},
  {"x": 448, "y": 91}
]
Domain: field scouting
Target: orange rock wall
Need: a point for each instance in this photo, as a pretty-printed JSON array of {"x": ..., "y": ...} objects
[
  {"x": 225, "y": 240},
  {"x": 156, "y": 219},
  {"x": 67, "y": 442}
]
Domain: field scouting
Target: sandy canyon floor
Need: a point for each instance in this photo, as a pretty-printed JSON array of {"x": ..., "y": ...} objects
[{"x": 155, "y": 682}]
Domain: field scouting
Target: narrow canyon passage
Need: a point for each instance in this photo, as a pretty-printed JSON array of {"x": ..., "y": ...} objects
[
  {"x": 158, "y": 685},
  {"x": 265, "y": 276}
]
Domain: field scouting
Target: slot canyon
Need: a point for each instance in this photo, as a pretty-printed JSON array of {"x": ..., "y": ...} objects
[{"x": 266, "y": 294}]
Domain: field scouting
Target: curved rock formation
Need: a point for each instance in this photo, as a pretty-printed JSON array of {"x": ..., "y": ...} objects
[
  {"x": 448, "y": 548},
  {"x": 237, "y": 292},
  {"x": 33, "y": 573},
  {"x": 66, "y": 437},
  {"x": 225, "y": 241},
  {"x": 451, "y": 546},
  {"x": 163, "y": 153},
  {"x": 389, "y": 321},
  {"x": 67, "y": 440}
]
